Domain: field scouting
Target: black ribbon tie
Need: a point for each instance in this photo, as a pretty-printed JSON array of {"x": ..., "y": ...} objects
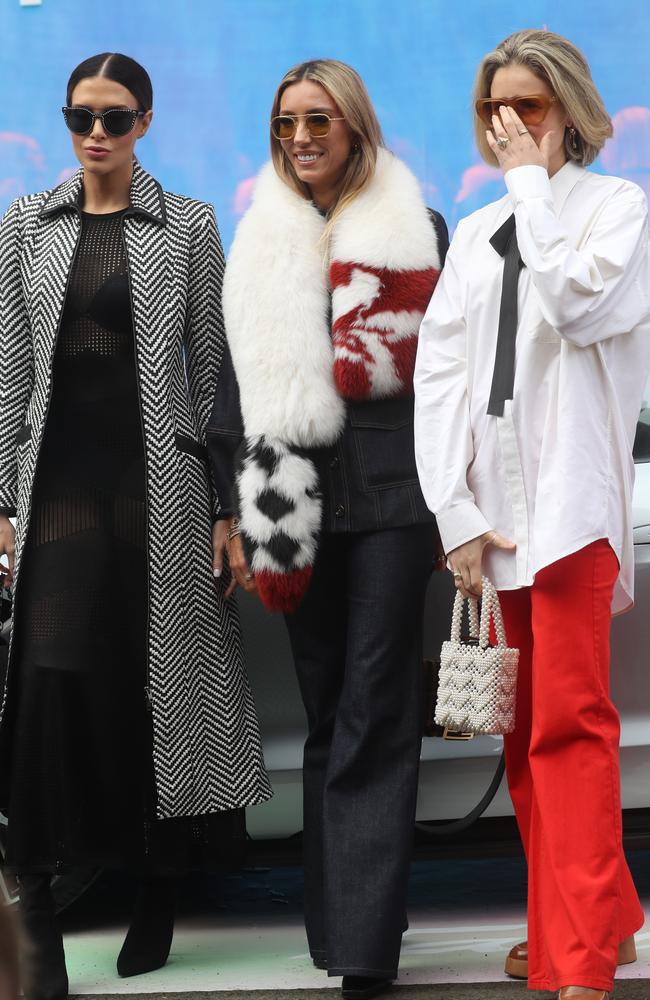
[{"x": 504, "y": 242}]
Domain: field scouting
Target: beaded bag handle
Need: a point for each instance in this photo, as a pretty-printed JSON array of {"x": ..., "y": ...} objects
[{"x": 479, "y": 628}]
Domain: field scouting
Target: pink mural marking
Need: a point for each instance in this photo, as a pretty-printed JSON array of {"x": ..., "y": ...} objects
[
  {"x": 474, "y": 178},
  {"x": 629, "y": 147},
  {"x": 64, "y": 174},
  {"x": 243, "y": 195},
  {"x": 34, "y": 152}
]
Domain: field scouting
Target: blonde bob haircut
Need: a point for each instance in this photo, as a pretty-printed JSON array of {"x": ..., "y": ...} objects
[
  {"x": 563, "y": 67},
  {"x": 347, "y": 89}
]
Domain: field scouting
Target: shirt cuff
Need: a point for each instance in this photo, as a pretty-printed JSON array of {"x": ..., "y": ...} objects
[
  {"x": 528, "y": 182},
  {"x": 460, "y": 524}
]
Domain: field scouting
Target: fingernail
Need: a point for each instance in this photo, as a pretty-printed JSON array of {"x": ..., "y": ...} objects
[{"x": 217, "y": 571}]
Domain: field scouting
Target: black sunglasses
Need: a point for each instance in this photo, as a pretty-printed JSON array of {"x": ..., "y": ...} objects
[{"x": 115, "y": 121}]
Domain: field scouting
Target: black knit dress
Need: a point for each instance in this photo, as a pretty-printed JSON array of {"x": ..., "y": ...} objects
[{"x": 81, "y": 784}]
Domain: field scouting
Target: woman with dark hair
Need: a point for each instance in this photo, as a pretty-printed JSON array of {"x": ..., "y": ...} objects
[
  {"x": 531, "y": 366},
  {"x": 126, "y": 705},
  {"x": 330, "y": 272}
]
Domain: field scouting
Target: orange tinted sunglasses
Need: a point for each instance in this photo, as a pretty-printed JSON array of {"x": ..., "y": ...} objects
[
  {"x": 532, "y": 110},
  {"x": 318, "y": 125}
]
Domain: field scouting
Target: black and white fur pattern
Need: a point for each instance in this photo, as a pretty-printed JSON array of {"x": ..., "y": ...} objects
[{"x": 280, "y": 504}]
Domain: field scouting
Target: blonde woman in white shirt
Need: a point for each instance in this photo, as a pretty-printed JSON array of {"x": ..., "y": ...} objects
[{"x": 531, "y": 364}]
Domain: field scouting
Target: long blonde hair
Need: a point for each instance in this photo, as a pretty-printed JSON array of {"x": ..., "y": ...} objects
[
  {"x": 563, "y": 67},
  {"x": 347, "y": 89}
]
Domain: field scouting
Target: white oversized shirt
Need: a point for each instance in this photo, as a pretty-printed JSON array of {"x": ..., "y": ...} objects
[{"x": 555, "y": 472}]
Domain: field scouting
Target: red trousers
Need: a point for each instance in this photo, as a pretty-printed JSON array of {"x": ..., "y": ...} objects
[{"x": 563, "y": 773}]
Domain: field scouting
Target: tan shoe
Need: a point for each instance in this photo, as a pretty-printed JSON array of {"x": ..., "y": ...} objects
[
  {"x": 517, "y": 961},
  {"x": 581, "y": 993}
]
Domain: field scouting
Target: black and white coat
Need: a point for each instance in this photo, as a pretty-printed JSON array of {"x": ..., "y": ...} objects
[{"x": 207, "y": 752}]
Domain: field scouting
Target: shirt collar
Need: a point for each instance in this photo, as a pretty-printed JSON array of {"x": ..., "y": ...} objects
[
  {"x": 563, "y": 183},
  {"x": 146, "y": 196}
]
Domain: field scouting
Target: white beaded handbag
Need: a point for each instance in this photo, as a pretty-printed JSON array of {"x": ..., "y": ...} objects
[{"x": 477, "y": 684}]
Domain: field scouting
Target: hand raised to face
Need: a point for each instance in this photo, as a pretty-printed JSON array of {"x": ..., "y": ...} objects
[{"x": 512, "y": 143}]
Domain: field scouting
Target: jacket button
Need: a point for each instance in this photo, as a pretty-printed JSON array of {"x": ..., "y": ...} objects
[
  {"x": 334, "y": 462},
  {"x": 340, "y": 510}
]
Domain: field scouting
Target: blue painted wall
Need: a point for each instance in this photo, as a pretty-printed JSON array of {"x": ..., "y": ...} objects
[{"x": 215, "y": 65}]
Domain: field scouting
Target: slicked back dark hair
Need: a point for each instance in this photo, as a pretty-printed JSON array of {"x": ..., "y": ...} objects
[{"x": 119, "y": 68}]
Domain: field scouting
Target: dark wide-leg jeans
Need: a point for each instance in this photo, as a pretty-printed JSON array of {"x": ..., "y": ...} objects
[{"x": 356, "y": 642}]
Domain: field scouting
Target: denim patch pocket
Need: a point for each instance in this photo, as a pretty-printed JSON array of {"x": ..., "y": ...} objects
[{"x": 383, "y": 436}]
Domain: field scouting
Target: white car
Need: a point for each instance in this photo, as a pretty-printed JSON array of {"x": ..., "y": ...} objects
[{"x": 454, "y": 775}]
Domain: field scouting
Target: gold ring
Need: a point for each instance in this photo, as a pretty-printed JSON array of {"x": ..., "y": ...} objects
[
  {"x": 458, "y": 576},
  {"x": 522, "y": 131}
]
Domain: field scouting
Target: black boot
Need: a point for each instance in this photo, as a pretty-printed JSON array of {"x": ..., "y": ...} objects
[
  {"x": 363, "y": 987},
  {"x": 47, "y": 978},
  {"x": 149, "y": 938}
]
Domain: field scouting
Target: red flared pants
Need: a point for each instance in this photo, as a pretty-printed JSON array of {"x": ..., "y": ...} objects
[{"x": 563, "y": 773}]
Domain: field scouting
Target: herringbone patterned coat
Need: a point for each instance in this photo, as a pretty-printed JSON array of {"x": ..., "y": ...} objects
[{"x": 207, "y": 752}]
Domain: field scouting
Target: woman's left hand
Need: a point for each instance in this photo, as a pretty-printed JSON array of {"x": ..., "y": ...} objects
[
  {"x": 240, "y": 573},
  {"x": 219, "y": 539},
  {"x": 520, "y": 150},
  {"x": 466, "y": 560}
]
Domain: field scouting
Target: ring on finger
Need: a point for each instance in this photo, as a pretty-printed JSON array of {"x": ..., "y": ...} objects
[
  {"x": 248, "y": 576},
  {"x": 502, "y": 141},
  {"x": 458, "y": 576},
  {"x": 523, "y": 131}
]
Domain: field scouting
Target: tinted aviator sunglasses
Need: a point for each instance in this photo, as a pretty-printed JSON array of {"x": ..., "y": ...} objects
[
  {"x": 532, "y": 110},
  {"x": 318, "y": 125},
  {"x": 115, "y": 121}
]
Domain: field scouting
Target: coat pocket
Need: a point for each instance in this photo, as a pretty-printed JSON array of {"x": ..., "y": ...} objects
[
  {"x": 383, "y": 437},
  {"x": 191, "y": 447},
  {"x": 24, "y": 435},
  {"x": 195, "y": 502}
]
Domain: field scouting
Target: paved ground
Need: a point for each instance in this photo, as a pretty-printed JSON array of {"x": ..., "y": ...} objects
[
  {"x": 242, "y": 937},
  {"x": 477, "y": 991}
]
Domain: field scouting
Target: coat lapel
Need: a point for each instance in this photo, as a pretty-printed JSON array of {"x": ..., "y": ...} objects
[
  {"x": 146, "y": 239},
  {"x": 53, "y": 249}
]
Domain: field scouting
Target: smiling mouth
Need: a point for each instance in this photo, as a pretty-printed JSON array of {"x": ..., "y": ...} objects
[{"x": 308, "y": 157}]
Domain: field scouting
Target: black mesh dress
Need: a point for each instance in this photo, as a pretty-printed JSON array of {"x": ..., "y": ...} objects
[{"x": 81, "y": 787}]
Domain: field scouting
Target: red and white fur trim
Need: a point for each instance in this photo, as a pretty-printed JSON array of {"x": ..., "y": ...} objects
[
  {"x": 376, "y": 318},
  {"x": 296, "y": 365},
  {"x": 384, "y": 266}
]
